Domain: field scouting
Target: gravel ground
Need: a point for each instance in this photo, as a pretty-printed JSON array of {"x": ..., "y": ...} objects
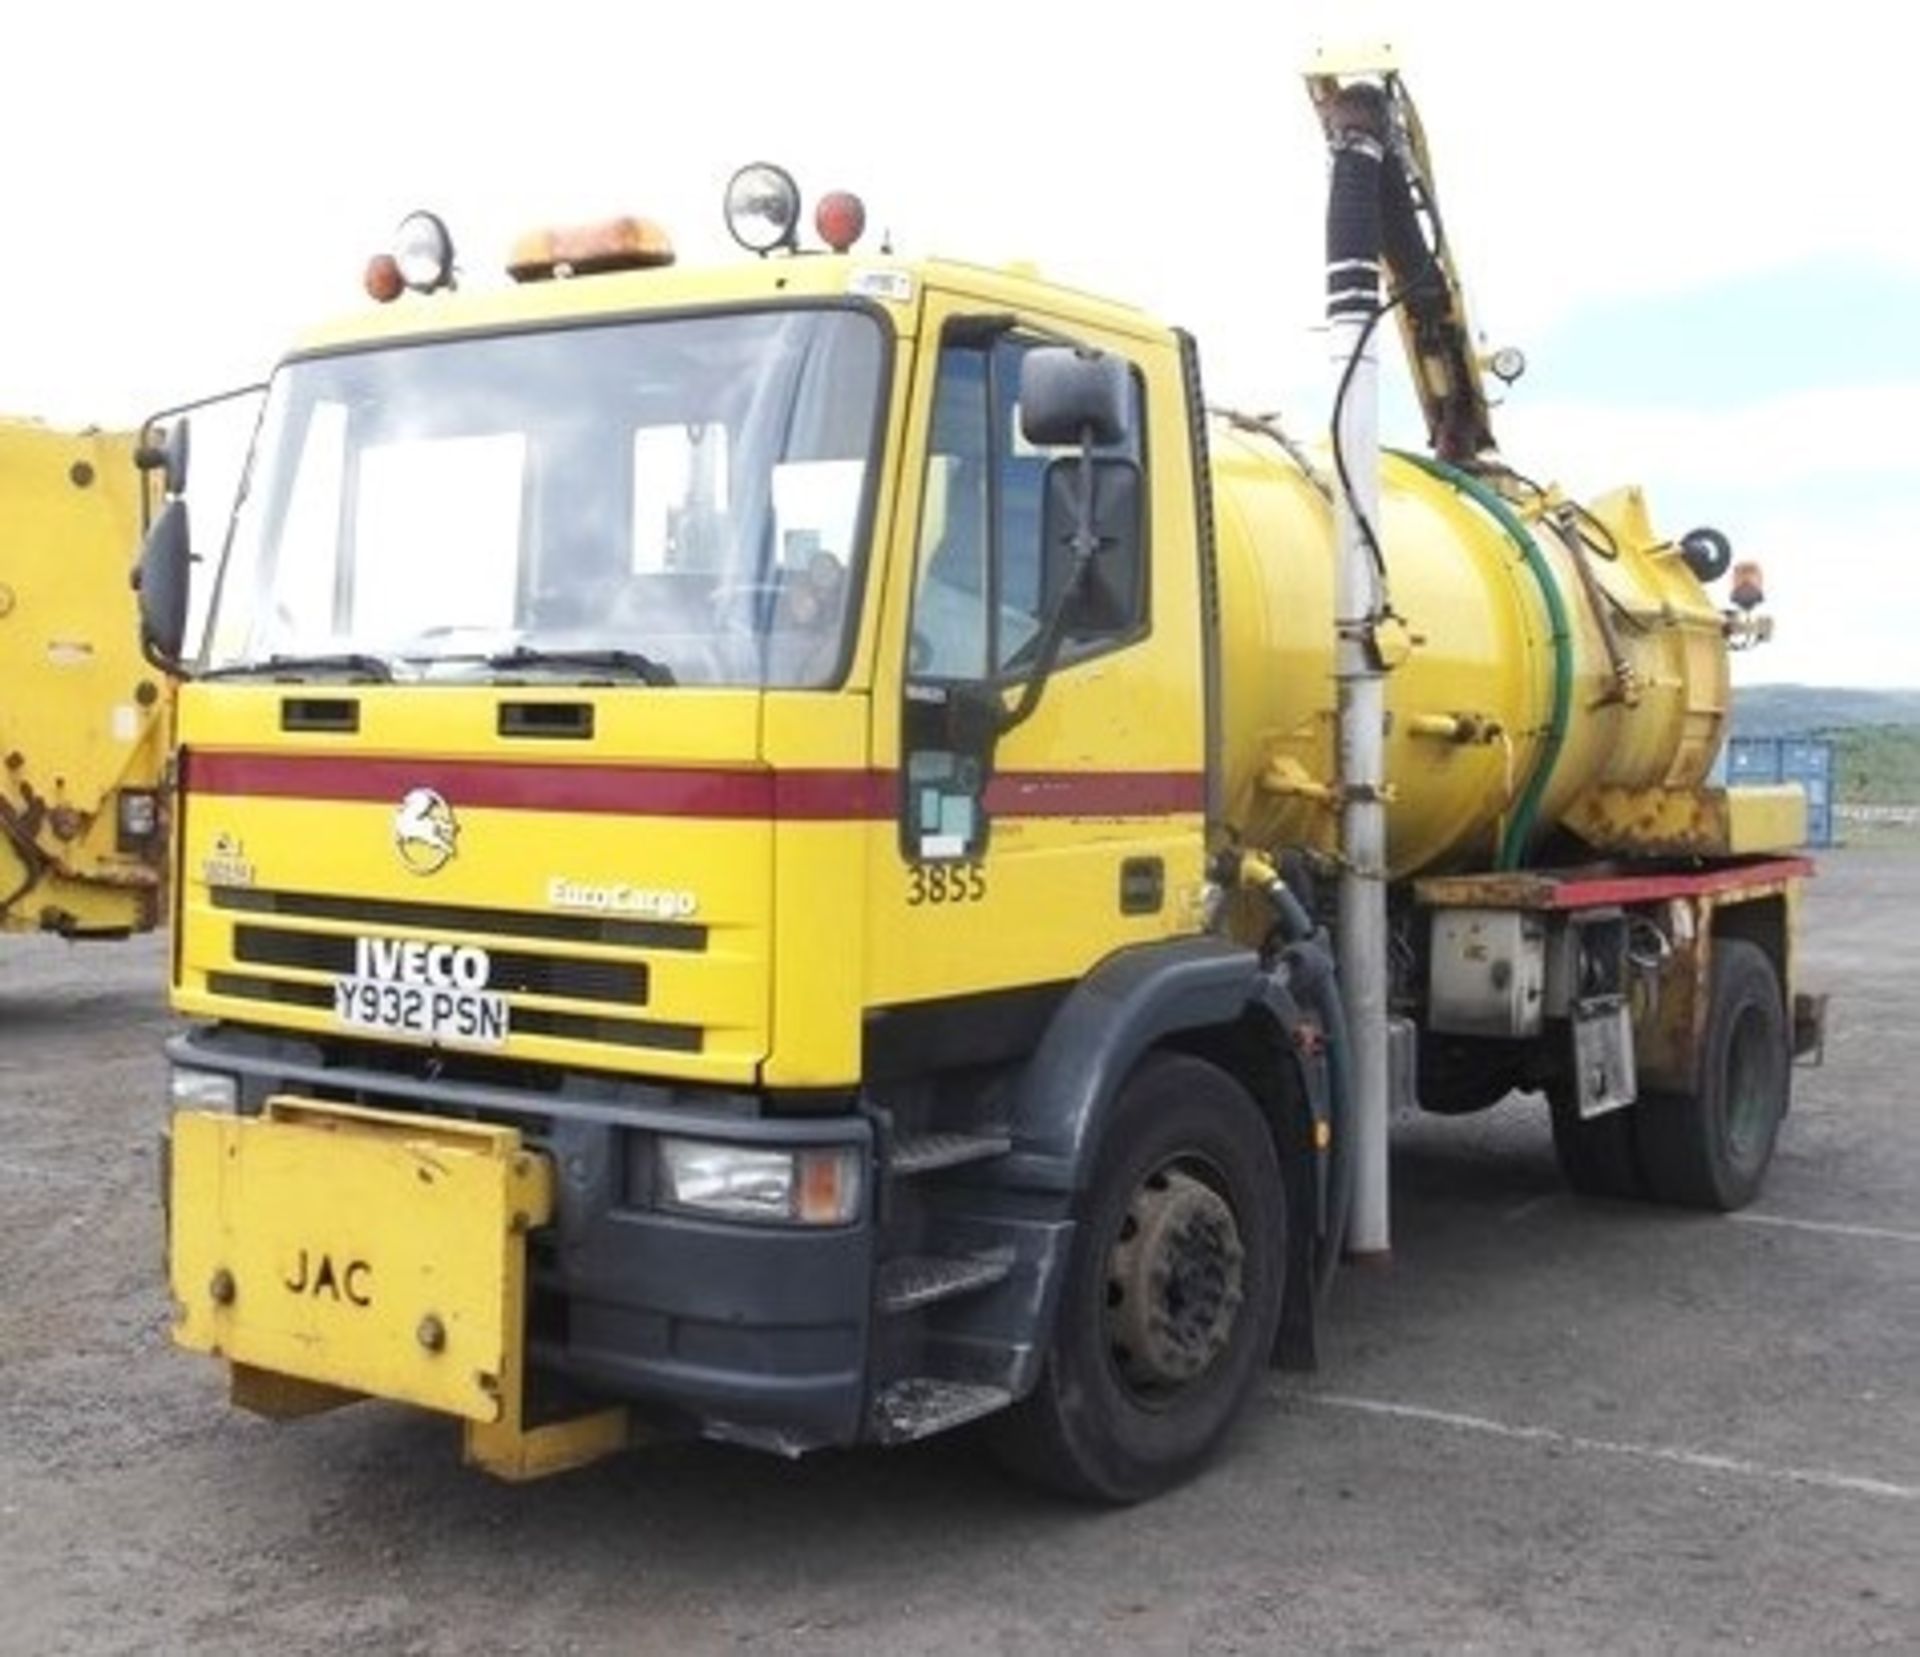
[{"x": 1551, "y": 1424}]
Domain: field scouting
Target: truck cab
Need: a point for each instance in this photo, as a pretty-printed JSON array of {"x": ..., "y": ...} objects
[{"x": 629, "y": 718}]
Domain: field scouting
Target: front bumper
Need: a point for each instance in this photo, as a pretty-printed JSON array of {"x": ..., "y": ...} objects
[{"x": 755, "y": 1333}]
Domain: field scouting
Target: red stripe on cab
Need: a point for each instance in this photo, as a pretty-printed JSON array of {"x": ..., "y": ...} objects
[{"x": 812, "y": 795}]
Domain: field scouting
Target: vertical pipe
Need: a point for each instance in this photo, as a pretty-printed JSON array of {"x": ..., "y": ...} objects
[{"x": 1356, "y": 131}]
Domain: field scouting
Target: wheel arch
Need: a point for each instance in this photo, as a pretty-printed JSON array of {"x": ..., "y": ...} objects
[
  {"x": 1129, "y": 1001},
  {"x": 1209, "y": 1000},
  {"x": 1200, "y": 996}
]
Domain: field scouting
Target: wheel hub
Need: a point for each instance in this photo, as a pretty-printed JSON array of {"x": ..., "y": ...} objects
[{"x": 1175, "y": 1280}]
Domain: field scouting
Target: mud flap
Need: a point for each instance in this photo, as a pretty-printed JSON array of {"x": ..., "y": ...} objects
[{"x": 1296, "y": 1341}]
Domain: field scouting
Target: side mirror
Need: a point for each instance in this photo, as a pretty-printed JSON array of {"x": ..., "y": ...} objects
[
  {"x": 178, "y": 450},
  {"x": 1106, "y": 599},
  {"x": 1069, "y": 397},
  {"x": 162, "y": 579},
  {"x": 169, "y": 456}
]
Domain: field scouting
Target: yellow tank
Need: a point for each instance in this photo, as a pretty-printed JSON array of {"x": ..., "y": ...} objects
[{"x": 1471, "y": 707}]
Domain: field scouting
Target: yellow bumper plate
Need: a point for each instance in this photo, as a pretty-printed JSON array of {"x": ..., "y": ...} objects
[{"x": 371, "y": 1251}]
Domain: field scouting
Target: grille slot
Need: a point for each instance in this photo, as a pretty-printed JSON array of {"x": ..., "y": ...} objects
[
  {"x": 622, "y": 1032},
  {"x": 449, "y": 917},
  {"x": 547, "y": 719},
  {"x": 624, "y": 983},
  {"x": 319, "y": 713}
]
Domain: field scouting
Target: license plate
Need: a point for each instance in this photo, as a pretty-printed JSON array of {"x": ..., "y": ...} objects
[{"x": 472, "y": 1018}]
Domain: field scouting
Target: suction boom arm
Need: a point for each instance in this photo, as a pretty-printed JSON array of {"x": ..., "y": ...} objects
[{"x": 1425, "y": 285}]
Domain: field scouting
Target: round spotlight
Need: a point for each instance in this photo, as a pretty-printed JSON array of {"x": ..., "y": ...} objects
[
  {"x": 423, "y": 249},
  {"x": 1508, "y": 364},
  {"x": 840, "y": 219},
  {"x": 763, "y": 207}
]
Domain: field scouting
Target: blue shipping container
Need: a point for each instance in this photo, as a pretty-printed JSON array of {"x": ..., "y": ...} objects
[{"x": 1807, "y": 760}]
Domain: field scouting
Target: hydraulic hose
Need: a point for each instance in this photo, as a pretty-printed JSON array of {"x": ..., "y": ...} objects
[
  {"x": 1312, "y": 976},
  {"x": 1526, "y": 812},
  {"x": 1307, "y": 961}
]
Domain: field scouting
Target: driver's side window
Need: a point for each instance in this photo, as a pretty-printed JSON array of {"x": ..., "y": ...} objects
[{"x": 981, "y": 591}]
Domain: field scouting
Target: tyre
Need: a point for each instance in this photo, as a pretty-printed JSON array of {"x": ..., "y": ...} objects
[
  {"x": 1710, "y": 1149},
  {"x": 1597, "y": 1156},
  {"x": 1172, "y": 1294}
]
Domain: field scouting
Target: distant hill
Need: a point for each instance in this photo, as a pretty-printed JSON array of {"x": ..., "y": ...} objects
[
  {"x": 1798, "y": 710},
  {"x": 1876, "y": 734},
  {"x": 1877, "y": 765}
]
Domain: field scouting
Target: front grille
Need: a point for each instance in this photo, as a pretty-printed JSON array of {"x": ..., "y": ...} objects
[
  {"x": 624, "y": 983},
  {"x": 624, "y": 1032},
  {"x": 451, "y": 917}
]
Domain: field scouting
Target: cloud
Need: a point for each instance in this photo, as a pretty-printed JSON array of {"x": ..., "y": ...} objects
[
  {"x": 1845, "y": 596},
  {"x": 1835, "y": 435},
  {"x": 184, "y": 204},
  {"x": 1816, "y": 485},
  {"x": 187, "y": 222}
]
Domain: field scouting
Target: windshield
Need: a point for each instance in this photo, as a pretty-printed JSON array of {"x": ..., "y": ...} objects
[{"x": 687, "y": 495}]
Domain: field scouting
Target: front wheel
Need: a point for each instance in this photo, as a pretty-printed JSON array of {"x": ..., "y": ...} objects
[{"x": 1173, "y": 1293}]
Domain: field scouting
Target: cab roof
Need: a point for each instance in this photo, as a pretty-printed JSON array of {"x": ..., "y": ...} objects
[{"x": 895, "y": 286}]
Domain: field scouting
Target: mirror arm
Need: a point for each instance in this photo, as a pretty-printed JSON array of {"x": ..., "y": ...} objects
[
  {"x": 1053, "y": 630},
  {"x": 148, "y": 458}
]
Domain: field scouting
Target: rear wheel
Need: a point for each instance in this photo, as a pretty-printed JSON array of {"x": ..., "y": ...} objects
[
  {"x": 1710, "y": 1149},
  {"x": 1172, "y": 1297}
]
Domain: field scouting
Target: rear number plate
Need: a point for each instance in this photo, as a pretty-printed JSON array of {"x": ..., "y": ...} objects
[{"x": 476, "y": 1018}]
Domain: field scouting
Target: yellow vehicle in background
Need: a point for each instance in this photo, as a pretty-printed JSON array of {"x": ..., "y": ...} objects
[
  {"x": 84, "y": 717},
  {"x": 771, "y": 850}
]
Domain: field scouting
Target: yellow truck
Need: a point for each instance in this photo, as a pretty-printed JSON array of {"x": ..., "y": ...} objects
[
  {"x": 83, "y": 716},
  {"x": 771, "y": 851}
]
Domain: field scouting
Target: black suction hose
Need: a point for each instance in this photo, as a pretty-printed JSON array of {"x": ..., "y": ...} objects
[{"x": 1311, "y": 974}]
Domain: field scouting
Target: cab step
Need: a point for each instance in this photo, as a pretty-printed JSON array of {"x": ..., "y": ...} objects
[
  {"x": 917, "y": 1280},
  {"x": 924, "y": 1153},
  {"x": 920, "y": 1406}
]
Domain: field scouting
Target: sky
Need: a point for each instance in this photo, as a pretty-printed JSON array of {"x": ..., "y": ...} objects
[{"x": 1694, "y": 228}]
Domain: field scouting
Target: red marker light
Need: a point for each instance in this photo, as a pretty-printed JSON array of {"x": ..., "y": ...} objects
[
  {"x": 383, "y": 280},
  {"x": 840, "y": 218}
]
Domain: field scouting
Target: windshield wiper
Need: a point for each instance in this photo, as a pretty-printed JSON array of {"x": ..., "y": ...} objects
[
  {"x": 344, "y": 661},
  {"x": 628, "y": 662}
]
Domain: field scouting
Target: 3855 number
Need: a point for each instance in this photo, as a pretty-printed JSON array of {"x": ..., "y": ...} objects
[{"x": 945, "y": 883}]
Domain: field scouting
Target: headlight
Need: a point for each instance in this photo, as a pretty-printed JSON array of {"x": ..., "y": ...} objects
[
  {"x": 748, "y": 1182},
  {"x": 202, "y": 1089},
  {"x": 763, "y": 207},
  {"x": 423, "y": 249}
]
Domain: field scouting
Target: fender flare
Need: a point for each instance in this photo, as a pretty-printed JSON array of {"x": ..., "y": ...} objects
[
  {"x": 1202, "y": 987},
  {"x": 1130, "y": 1002}
]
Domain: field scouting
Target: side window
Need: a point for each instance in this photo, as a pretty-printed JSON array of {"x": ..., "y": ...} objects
[
  {"x": 949, "y": 608},
  {"x": 983, "y": 587}
]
